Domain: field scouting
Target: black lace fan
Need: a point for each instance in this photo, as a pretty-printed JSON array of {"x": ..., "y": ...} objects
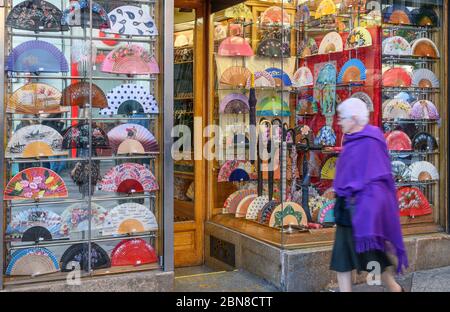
[
  {"x": 78, "y": 254},
  {"x": 424, "y": 142}
]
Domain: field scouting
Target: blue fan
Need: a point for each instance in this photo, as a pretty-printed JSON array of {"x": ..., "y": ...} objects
[
  {"x": 22, "y": 262},
  {"x": 326, "y": 137},
  {"x": 239, "y": 175},
  {"x": 353, "y": 70},
  {"x": 279, "y": 76}
]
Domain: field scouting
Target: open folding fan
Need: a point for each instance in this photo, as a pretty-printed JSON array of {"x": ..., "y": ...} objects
[
  {"x": 241, "y": 210},
  {"x": 398, "y": 141},
  {"x": 78, "y": 14},
  {"x": 233, "y": 200},
  {"x": 133, "y": 252},
  {"x": 235, "y": 76},
  {"x": 129, "y": 218},
  {"x": 262, "y": 80},
  {"x": 129, "y": 178},
  {"x": 396, "y": 14},
  {"x": 75, "y": 218},
  {"x": 365, "y": 98},
  {"x": 32, "y": 262},
  {"x": 424, "y": 142},
  {"x": 424, "y": 78},
  {"x": 78, "y": 137},
  {"x": 359, "y": 37},
  {"x": 274, "y": 15},
  {"x": 352, "y": 70},
  {"x": 396, "y": 45},
  {"x": 425, "y": 16},
  {"x": 35, "y": 98},
  {"x": 234, "y": 103},
  {"x": 235, "y": 46},
  {"x": 239, "y": 11},
  {"x": 78, "y": 94},
  {"x": 35, "y": 183},
  {"x": 273, "y": 106},
  {"x": 78, "y": 256},
  {"x": 326, "y": 213},
  {"x": 132, "y": 139},
  {"x": 35, "y": 15},
  {"x": 325, "y": 90},
  {"x": 326, "y": 7},
  {"x": 396, "y": 109},
  {"x": 130, "y": 59},
  {"x": 255, "y": 206},
  {"x": 302, "y": 77},
  {"x": 281, "y": 77},
  {"x": 424, "y": 109},
  {"x": 36, "y": 56},
  {"x": 412, "y": 202},
  {"x": 328, "y": 170},
  {"x": 424, "y": 47},
  {"x": 236, "y": 171},
  {"x": 400, "y": 171},
  {"x": 396, "y": 77},
  {"x": 130, "y": 99},
  {"x": 288, "y": 213},
  {"x": 273, "y": 48},
  {"x": 332, "y": 42},
  {"x": 307, "y": 47},
  {"x": 423, "y": 171},
  {"x": 132, "y": 20}
]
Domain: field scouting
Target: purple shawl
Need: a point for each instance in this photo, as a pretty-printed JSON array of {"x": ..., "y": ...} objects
[{"x": 363, "y": 171}]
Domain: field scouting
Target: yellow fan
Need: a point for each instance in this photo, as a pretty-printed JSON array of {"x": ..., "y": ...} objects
[
  {"x": 35, "y": 98},
  {"x": 328, "y": 171},
  {"x": 130, "y": 146},
  {"x": 326, "y": 7},
  {"x": 131, "y": 226},
  {"x": 236, "y": 76},
  {"x": 37, "y": 149}
]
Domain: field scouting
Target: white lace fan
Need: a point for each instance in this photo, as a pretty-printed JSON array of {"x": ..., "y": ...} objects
[
  {"x": 423, "y": 170},
  {"x": 424, "y": 78}
]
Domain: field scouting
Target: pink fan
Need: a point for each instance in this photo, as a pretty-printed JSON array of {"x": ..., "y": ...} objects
[
  {"x": 132, "y": 60},
  {"x": 235, "y": 46},
  {"x": 133, "y": 132},
  {"x": 275, "y": 15},
  {"x": 398, "y": 141}
]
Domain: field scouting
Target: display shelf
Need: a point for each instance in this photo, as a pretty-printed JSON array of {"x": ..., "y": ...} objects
[
  {"x": 152, "y": 155},
  {"x": 414, "y": 153},
  {"x": 411, "y": 121},
  {"x": 39, "y": 119},
  {"x": 416, "y": 28},
  {"x": 411, "y": 89},
  {"x": 62, "y": 77},
  {"x": 129, "y": 39},
  {"x": 185, "y": 62},
  {"x": 408, "y": 59},
  {"x": 416, "y": 183},
  {"x": 339, "y": 86}
]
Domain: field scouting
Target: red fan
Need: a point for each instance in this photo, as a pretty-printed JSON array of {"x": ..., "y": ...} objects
[
  {"x": 398, "y": 141},
  {"x": 396, "y": 77},
  {"x": 133, "y": 252},
  {"x": 77, "y": 94},
  {"x": 412, "y": 202}
]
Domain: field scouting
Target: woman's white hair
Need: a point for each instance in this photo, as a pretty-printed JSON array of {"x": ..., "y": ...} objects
[{"x": 354, "y": 107}]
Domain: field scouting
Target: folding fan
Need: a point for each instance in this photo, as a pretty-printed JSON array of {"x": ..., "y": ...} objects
[
  {"x": 281, "y": 77},
  {"x": 255, "y": 206},
  {"x": 234, "y": 103},
  {"x": 118, "y": 135},
  {"x": 396, "y": 14},
  {"x": 132, "y": 20},
  {"x": 129, "y": 178},
  {"x": 241, "y": 210},
  {"x": 119, "y": 100},
  {"x": 325, "y": 90},
  {"x": 273, "y": 48},
  {"x": 273, "y": 106},
  {"x": 326, "y": 137},
  {"x": 129, "y": 218},
  {"x": 412, "y": 202},
  {"x": 423, "y": 171},
  {"x": 275, "y": 15},
  {"x": 235, "y": 46},
  {"x": 306, "y": 106},
  {"x": 365, "y": 98},
  {"x": 307, "y": 47},
  {"x": 326, "y": 7},
  {"x": 35, "y": 183},
  {"x": 235, "y": 76},
  {"x": 328, "y": 170},
  {"x": 35, "y": 98},
  {"x": 352, "y": 70},
  {"x": 424, "y": 109},
  {"x": 78, "y": 255},
  {"x": 236, "y": 171},
  {"x": 78, "y": 137},
  {"x": 36, "y": 56},
  {"x": 396, "y": 45},
  {"x": 303, "y": 77},
  {"x": 359, "y": 37},
  {"x": 424, "y": 47},
  {"x": 424, "y": 78},
  {"x": 130, "y": 59},
  {"x": 396, "y": 109},
  {"x": 396, "y": 77},
  {"x": 400, "y": 171},
  {"x": 133, "y": 252},
  {"x": 32, "y": 262},
  {"x": 303, "y": 14},
  {"x": 232, "y": 201},
  {"x": 326, "y": 213},
  {"x": 398, "y": 141},
  {"x": 332, "y": 42},
  {"x": 425, "y": 16},
  {"x": 262, "y": 80},
  {"x": 75, "y": 218},
  {"x": 288, "y": 213},
  {"x": 239, "y": 11},
  {"x": 78, "y": 14},
  {"x": 424, "y": 142},
  {"x": 266, "y": 212},
  {"x": 78, "y": 94}
]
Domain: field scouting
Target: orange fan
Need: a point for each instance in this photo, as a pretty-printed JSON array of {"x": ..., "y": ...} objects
[
  {"x": 396, "y": 77},
  {"x": 77, "y": 94},
  {"x": 399, "y": 17},
  {"x": 35, "y": 98},
  {"x": 236, "y": 76},
  {"x": 424, "y": 47}
]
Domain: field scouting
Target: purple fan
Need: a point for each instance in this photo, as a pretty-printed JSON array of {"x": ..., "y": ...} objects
[
  {"x": 424, "y": 109},
  {"x": 234, "y": 103},
  {"x": 36, "y": 56}
]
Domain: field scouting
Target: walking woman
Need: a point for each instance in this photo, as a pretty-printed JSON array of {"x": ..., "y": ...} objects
[{"x": 366, "y": 209}]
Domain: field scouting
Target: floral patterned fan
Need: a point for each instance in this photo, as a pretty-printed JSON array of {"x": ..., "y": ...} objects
[
  {"x": 424, "y": 109},
  {"x": 131, "y": 60},
  {"x": 129, "y": 218},
  {"x": 236, "y": 171},
  {"x": 35, "y": 98},
  {"x": 132, "y": 20},
  {"x": 78, "y": 14},
  {"x": 78, "y": 94},
  {"x": 31, "y": 262},
  {"x": 325, "y": 90},
  {"x": 359, "y": 37},
  {"x": 78, "y": 137},
  {"x": 75, "y": 218},
  {"x": 133, "y": 252},
  {"x": 412, "y": 202},
  {"x": 239, "y": 11},
  {"x": 79, "y": 254},
  {"x": 398, "y": 141},
  {"x": 118, "y": 135},
  {"x": 274, "y": 15}
]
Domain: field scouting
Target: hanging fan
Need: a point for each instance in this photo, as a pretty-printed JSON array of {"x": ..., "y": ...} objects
[
  {"x": 303, "y": 15},
  {"x": 281, "y": 77},
  {"x": 132, "y": 20},
  {"x": 396, "y": 77},
  {"x": 133, "y": 252},
  {"x": 307, "y": 47},
  {"x": 403, "y": 96},
  {"x": 75, "y": 218},
  {"x": 255, "y": 206},
  {"x": 303, "y": 77},
  {"x": 326, "y": 7},
  {"x": 235, "y": 76},
  {"x": 231, "y": 203},
  {"x": 398, "y": 141},
  {"x": 35, "y": 98},
  {"x": 423, "y": 171},
  {"x": 239, "y": 11},
  {"x": 352, "y": 70},
  {"x": 365, "y": 98},
  {"x": 272, "y": 106},
  {"x": 35, "y": 183},
  {"x": 78, "y": 14},
  {"x": 425, "y": 16},
  {"x": 235, "y": 46},
  {"x": 129, "y": 218},
  {"x": 325, "y": 89},
  {"x": 400, "y": 171},
  {"x": 241, "y": 210},
  {"x": 396, "y": 45},
  {"x": 396, "y": 109},
  {"x": 396, "y": 14},
  {"x": 424, "y": 109},
  {"x": 328, "y": 170},
  {"x": 129, "y": 178},
  {"x": 424, "y": 142},
  {"x": 135, "y": 132},
  {"x": 32, "y": 262},
  {"x": 125, "y": 99},
  {"x": 273, "y": 48},
  {"x": 78, "y": 254},
  {"x": 359, "y": 37},
  {"x": 424, "y": 78},
  {"x": 274, "y": 15},
  {"x": 234, "y": 103},
  {"x": 37, "y": 16},
  {"x": 326, "y": 213},
  {"x": 326, "y": 137},
  {"x": 262, "y": 80},
  {"x": 424, "y": 47},
  {"x": 78, "y": 94},
  {"x": 78, "y": 137},
  {"x": 306, "y": 106},
  {"x": 36, "y": 56},
  {"x": 289, "y": 213},
  {"x": 236, "y": 171},
  {"x": 332, "y": 42},
  {"x": 412, "y": 202},
  {"x": 130, "y": 59}
]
